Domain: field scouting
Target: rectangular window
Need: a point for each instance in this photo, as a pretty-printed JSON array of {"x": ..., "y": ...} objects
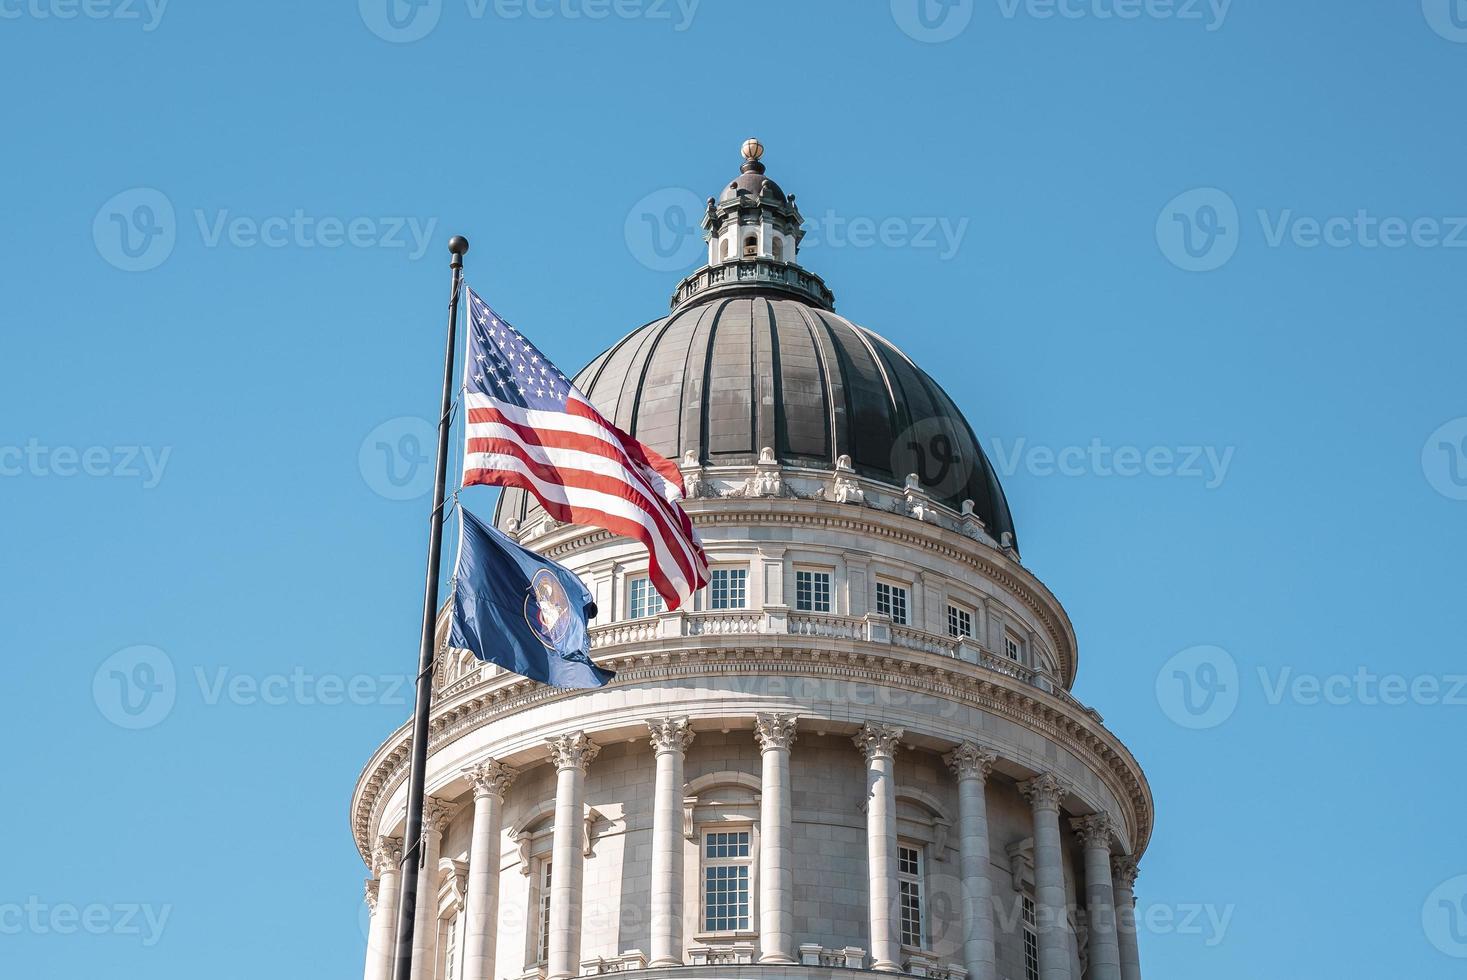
[
  {"x": 643, "y": 600},
  {"x": 909, "y": 880},
  {"x": 542, "y": 948},
  {"x": 812, "y": 591},
  {"x": 1031, "y": 940},
  {"x": 959, "y": 621},
  {"x": 1012, "y": 648},
  {"x": 729, "y": 588},
  {"x": 726, "y": 881},
  {"x": 891, "y": 600}
]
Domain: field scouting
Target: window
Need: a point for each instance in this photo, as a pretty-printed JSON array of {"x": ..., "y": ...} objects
[
  {"x": 723, "y": 250},
  {"x": 728, "y": 588},
  {"x": 450, "y": 955},
  {"x": 909, "y": 880},
  {"x": 1012, "y": 647},
  {"x": 643, "y": 599},
  {"x": 891, "y": 600},
  {"x": 542, "y": 948},
  {"x": 779, "y": 249},
  {"x": 751, "y": 247},
  {"x": 726, "y": 881},
  {"x": 812, "y": 591},
  {"x": 1031, "y": 940},
  {"x": 959, "y": 621}
]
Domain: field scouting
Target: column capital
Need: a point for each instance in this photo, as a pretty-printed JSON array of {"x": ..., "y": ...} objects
[
  {"x": 971, "y": 761},
  {"x": 1094, "y": 830},
  {"x": 491, "y": 778},
  {"x": 386, "y": 855},
  {"x": 573, "y": 751},
  {"x": 435, "y": 815},
  {"x": 878, "y": 741},
  {"x": 670, "y": 734},
  {"x": 371, "y": 890},
  {"x": 1044, "y": 792},
  {"x": 775, "y": 731},
  {"x": 1124, "y": 870}
]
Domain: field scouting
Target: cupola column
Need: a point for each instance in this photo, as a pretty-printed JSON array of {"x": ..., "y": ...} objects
[
  {"x": 381, "y": 935},
  {"x": 571, "y": 754},
  {"x": 972, "y": 764},
  {"x": 879, "y": 743},
  {"x": 776, "y": 733},
  {"x": 490, "y": 780},
  {"x": 1045, "y": 794},
  {"x": 670, "y": 740},
  {"x": 425, "y": 929},
  {"x": 1100, "y": 903},
  {"x": 1123, "y": 877}
]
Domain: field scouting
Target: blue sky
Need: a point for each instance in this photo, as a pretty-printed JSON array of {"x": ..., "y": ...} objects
[{"x": 1122, "y": 243}]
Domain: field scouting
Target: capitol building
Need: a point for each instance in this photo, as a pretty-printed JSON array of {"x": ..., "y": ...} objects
[{"x": 856, "y": 750}]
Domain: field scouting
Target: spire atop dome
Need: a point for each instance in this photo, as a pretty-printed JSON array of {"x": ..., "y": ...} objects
[{"x": 752, "y": 150}]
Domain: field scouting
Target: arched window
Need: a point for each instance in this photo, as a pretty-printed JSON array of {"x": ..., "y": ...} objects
[
  {"x": 751, "y": 247},
  {"x": 723, "y": 252},
  {"x": 779, "y": 249}
]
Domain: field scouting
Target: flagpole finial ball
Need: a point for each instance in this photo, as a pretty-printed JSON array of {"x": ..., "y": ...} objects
[
  {"x": 458, "y": 244},
  {"x": 752, "y": 149}
]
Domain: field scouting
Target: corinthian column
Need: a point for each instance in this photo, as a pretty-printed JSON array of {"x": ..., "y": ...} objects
[
  {"x": 425, "y": 932},
  {"x": 571, "y": 755},
  {"x": 972, "y": 765},
  {"x": 670, "y": 740},
  {"x": 879, "y": 743},
  {"x": 491, "y": 780},
  {"x": 1045, "y": 794},
  {"x": 1100, "y": 902},
  {"x": 387, "y": 865},
  {"x": 1123, "y": 877},
  {"x": 776, "y": 733}
]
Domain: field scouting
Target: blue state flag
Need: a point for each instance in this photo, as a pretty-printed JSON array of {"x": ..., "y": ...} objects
[{"x": 523, "y": 612}]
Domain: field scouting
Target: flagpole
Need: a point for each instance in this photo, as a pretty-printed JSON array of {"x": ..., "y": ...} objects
[{"x": 412, "y": 852}]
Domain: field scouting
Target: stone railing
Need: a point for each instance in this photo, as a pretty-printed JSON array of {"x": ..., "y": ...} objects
[
  {"x": 828, "y": 626},
  {"x": 851, "y": 957},
  {"x": 630, "y": 959},
  {"x": 755, "y": 272},
  {"x": 915, "y": 639},
  {"x": 722, "y": 955},
  {"x": 720, "y": 622},
  {"x": 927, "y": 965}
]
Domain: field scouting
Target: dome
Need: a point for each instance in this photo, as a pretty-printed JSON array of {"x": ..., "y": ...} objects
[{"x": 754, "y": 357}]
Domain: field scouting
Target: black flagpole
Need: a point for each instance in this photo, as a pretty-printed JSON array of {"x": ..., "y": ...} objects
[{"x": 413, "y": 836}]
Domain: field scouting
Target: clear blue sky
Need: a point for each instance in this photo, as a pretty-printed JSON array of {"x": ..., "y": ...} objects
[{"x": 265, "y": 545}]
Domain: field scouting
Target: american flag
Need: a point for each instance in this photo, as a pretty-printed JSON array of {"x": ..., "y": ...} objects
[{"x": 527, "y": 426}]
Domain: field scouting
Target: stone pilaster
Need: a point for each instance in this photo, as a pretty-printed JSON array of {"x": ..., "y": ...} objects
[
  {"x": 1045, "y": 794},
  {"x": 1123, "y": 878},
  {"x": 382, "y": 934},
  {"x": 490, "y": 780},
  {"x": 879, "y": 744},
  {"x": 670, "y": 740},
  {"x": 1094, "y": 833},
  {"x": 776, "y": 734},
  {"x": 972, "y": 764},
  {"x": 571, "y": 754}
]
